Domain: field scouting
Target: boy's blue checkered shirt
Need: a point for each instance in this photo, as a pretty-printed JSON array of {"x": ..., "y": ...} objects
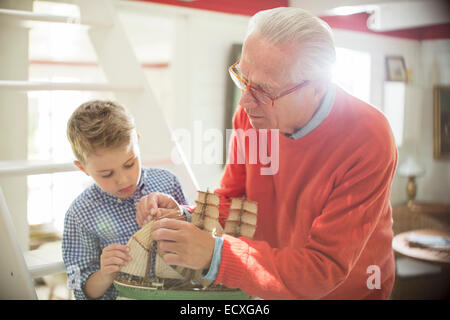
[{"x": 97, "y": 219}]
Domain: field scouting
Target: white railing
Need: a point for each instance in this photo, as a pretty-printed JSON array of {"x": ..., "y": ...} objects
[
  {"x": 44, "y": 17},
  {"x": 73, "y": 86}
]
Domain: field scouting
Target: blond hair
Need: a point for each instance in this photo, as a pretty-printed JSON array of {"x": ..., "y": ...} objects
[
  {"x": 313, "y": 36},
  {"x": 97, "y": 125}
]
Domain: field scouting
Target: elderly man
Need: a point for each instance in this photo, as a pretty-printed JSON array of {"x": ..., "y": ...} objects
[{"x": 324, "y": 228}]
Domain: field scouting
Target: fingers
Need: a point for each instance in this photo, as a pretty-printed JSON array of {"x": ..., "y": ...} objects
[
  {"x": 147, "y": 220},
  {"x": 153, "y": 201},
  {"x": 172, "y": 259},
  {"x": 182, "y": 243},
  {"x": 143, "y": 210},
  {"x": 161, "y": 200},
  {"x": 117, "y": 254},
  {"x": 167, "y": 213},
  {"x": 166, "y": 223},
  {"x": 116, "y": 251},
  {"x": 187, "y": 253},
  {"x": 164, "y": 213},
  {"x": 116, "y": 246},
  {"x": 140, "y": 214},
  {"x": 114, "y": 257},
  {"x": 167, "y": 247},
  {"x": 170, "y": 230},
  {"x": 163, "y": 234},
  {"x": 115, "y": 261}
]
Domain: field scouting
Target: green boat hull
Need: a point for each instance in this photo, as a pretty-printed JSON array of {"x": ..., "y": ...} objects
[{"x": 142, "y": 293}]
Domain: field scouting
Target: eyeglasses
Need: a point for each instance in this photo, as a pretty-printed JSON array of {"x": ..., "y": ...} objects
[{"x": 258, "y": 94}]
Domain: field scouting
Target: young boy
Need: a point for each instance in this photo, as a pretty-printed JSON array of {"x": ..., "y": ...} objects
[{"x": 101, "y": 220}]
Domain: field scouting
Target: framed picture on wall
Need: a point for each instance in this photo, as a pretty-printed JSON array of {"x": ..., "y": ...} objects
[
  {"x": 396, "y": 69},
  {"x": 441, "y": 122}
]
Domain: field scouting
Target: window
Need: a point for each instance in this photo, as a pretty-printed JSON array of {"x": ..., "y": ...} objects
[
  {"x": 394, "y": 108},
  {"x": 65, "y": 54},
  {"x": 50, "y": 195},
  {"x": 352, "y": 72}
]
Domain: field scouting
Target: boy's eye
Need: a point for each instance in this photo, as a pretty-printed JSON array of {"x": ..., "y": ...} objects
[
  {"x": 129, "y": 165},
  {"x": 107, "y": 175}
]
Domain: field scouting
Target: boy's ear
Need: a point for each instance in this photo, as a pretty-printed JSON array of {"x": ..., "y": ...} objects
[{"x": 80, "y": 166}]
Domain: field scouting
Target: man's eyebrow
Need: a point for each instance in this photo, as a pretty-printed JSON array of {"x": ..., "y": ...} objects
[
  {"x": 261, "y": 86},
  {"x": 265, "y": 87}
]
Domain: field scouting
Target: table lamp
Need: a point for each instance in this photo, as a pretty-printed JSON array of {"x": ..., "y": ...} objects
[{"x": 411, "y": 169}]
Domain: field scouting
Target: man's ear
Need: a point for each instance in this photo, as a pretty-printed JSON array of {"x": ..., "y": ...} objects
[{"x": 80, "y": 166}]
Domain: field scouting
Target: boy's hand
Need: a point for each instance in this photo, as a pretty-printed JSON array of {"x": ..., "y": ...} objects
[
  {"x": 156, "y": 205},
  {"x": 113, "y": 257}
]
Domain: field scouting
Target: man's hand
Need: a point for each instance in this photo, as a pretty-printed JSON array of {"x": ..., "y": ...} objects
[
  {"x": 183, "y": 243},
  {"x": 156, "y": 205},
  {"x": 113, "y": 257}
]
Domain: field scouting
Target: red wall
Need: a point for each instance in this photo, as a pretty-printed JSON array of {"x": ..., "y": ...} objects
[
  {"x": 355, "y": 22},
  {"x": 244, "y": 7},
  {"x": 358, "y": 22}
]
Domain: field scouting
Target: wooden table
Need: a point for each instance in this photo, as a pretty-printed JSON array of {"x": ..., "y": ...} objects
[{"x": 401, "y": 245}]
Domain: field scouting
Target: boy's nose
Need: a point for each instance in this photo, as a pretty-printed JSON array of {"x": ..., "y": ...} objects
[{"x": 121, "y": 179}]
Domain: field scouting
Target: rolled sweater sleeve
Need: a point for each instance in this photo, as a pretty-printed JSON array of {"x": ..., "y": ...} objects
[
  {"x": 359, "y": 199},
  {"x": 81, "y": 255}
]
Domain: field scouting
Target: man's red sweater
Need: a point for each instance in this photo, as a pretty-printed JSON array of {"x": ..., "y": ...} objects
[{"x": 324, "y": 225}]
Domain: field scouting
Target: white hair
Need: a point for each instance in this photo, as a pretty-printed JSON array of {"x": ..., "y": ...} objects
[{"x": 288, "y": 25}]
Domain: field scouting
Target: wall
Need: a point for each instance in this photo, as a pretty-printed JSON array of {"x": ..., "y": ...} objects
[
  {"x": 13, "y": 115},
  {"x": 192, "y": 89},
  {"x": 198, "y": 74},
  {"x": 209, "y": 60},
  {"x": 429, "y": 64},
  {"x": 378, "y": 47},
  {"x": 199, "y": 47},
  {"x": 434, "y": 70}
]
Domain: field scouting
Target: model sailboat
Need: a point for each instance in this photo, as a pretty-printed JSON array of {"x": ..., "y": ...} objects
[
  {"x": 148, "y": 272},
  {"x": 241, "y": 221}
]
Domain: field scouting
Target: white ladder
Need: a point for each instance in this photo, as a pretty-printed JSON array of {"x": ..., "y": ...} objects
[{"x": 125, "y": 78}]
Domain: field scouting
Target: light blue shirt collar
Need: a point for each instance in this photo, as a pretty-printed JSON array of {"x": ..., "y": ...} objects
[{"x": 322, "y": 112}]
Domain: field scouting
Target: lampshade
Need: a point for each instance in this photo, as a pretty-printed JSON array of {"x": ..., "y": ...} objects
[{"x": 410, "y": 168}]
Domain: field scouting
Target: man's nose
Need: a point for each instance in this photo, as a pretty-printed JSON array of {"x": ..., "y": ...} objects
[{"x": 247, "y": 99}]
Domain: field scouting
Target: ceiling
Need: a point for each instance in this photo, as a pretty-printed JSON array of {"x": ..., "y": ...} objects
[
  {"x": 323, "y": 7},
  {"x": 67, "y": 44},
  {"x": 384, "y": 15}
]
